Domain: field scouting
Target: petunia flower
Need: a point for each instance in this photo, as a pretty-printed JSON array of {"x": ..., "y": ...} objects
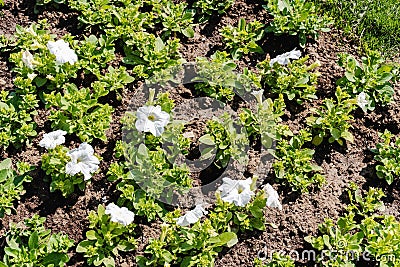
[
  {"x": 151, "y": 119},
  {"x": 258, "y": 95},
  {"x": 191, "y": 216},
  {"x": 236, "y": 191},
  {"x": 273, "y": 197},
  {"x": 27, "y": 59},
  {"x": 62, "y": 52},
  {"x": 362, "y": 101},
  {"x": 120, "y": 215},
  {"x": 283, "y": 59},
  {"x": 52, "y": 139},
  {"x": 82, "y": 161}
]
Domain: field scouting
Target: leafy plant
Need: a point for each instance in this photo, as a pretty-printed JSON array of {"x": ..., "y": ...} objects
[
  {"x": 243, "y": 39},
  {"x": 44, "y": 72},
  {"x": 296, "y": 79},
  {"x": 118, "y": 18},
  {"x": 151, "y": 156},
  {"x": 80, "y": 112},
  {"x": 388, "y": 155},
  {"x": 225, "y": 140},
  {"x": 207, "y": 7},
  {"x": 94, "y": 53},
  {"x": 293, "y": 163},
  {"x": 30, "y": 244},
  {"x": 373, "y": 77},
  {"x": 11, "y": 184},
  {"x": 175, "y": 18},
  {"x": 332, "y": 119},
  {"x": 264, "y": 121},
  {"x": 296, "y": 17},
  {"x": 360, "y": 232},
  {"x": 199, "y": 244},
  {"x": 216, "y": 78},
  {"x": 105, "y": 239},
  {"x": 54, "y": 164},
  {"x": 149, "y": 54},
  {"x": 16, "y": 119},
  {"x": 195, "y": 246}
]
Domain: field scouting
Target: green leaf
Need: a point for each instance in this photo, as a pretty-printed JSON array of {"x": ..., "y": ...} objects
[
  {"x": 109, "y": 262},
  {"x": 207, "y": 139},
  {"x": 159, "y": 44},
  {"x": 6, "y": 164},
  {"x": 33, "y": 242},
  {"x": 188, "y": 32},
  {"x": 228, "y": 238},
  {"x": 83, "y": 246},
  {"x": 91, "y": 235}
]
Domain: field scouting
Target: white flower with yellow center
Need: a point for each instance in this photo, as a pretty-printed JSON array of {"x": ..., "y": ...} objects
[
  {"x": 62, "y": 51},
  {"x": 52, "y": 139},
  {"x": 191, "y": 216},
  {"x": 237, "y": 192},
  {"x": 82, "y": 161},
  {"x": 120, "y": 215},
  {"x": 151, "y": 119}
]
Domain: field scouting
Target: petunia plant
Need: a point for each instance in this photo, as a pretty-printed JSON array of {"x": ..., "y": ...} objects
[
  {"x": 297, "y": 17},
  {"x": 40, "y": 59},
  {"x": 388, "y": 156},
  {"x": 362, "y": 230},
  {"x": 31, "y": 244},
  {"x": 207, "y": 8},
  {"x": 332, "y": 119},
  {"x": 296, "y": 79},
  {"x": 371, "y": 81},
  {"x": 293, "y": 163},
  {"x": 152, "y": 142},
  {"x": 111, "y": 230},
  {"x": 16, "y": 119},
  {"x": 68, "y": 168},
  {"x": 224, "y": 142},
  {"x": 243, "y": 39},
  {"x": 78, "y": 111},
  {"x": 196, "y": 238},
  {"x": 12, "y": 184}
]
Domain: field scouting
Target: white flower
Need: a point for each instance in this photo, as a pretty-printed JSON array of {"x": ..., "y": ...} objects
[
  {"x": 258, "y": 95},
  {"x": 27, "y": 59},
  {"x": 52, "y": 139},
  {"x": 273, "y": 197},
  {"x": 236, "y": 191},
  {"x": 362, "y": 101},
  {"x": 191, "y": 216},
  {"x": 151, "y": 119},
  {"x": 62, "y": 52},
  {"x": 283, "y": 59},
  {"x": 120, "y": 215},
  {"x": 82, "y": 161}
]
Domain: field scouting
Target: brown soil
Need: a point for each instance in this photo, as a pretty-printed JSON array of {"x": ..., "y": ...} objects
[{"x": 301, "y": 214}]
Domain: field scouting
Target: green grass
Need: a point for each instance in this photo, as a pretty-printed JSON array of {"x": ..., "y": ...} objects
[{"x": 375, "y": 22}]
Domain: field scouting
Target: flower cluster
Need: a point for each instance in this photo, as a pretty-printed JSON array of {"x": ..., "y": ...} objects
[{"x": 82, "y": 159}]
